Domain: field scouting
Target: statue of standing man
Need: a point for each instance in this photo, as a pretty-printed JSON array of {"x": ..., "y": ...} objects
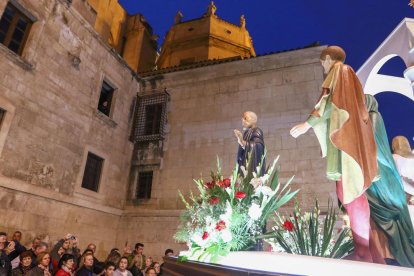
[
  {"x": 342, "y": 125},
  {"x": 251, "y": 150}
]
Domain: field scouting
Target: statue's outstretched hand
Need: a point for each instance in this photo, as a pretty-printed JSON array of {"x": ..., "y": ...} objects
[
  {"x": 239, "y": 137},
  {"x": 300, "y": 129}
]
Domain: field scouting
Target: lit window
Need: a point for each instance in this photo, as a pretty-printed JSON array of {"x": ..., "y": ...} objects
[{"x": 105, "y": 99}]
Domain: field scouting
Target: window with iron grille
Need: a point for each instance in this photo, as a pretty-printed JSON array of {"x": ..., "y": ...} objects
[
  {"x": 15, "y": 26},
  {"x": 144, "y": 185},
  {"x": 92, "y": 174},
  {"x": 2, "y": 115},
  {"x": 150, "y": 117},
  {"x": 105, "y": 99}
]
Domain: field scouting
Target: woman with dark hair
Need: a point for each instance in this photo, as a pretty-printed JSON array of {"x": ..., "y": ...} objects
[
  {"x": 66, "y": 265},
  {"x": 114, "y": 256},
  {"x": 24, "y": 265},
  {"x": 122, "y": 268},
  {"x": 42, "y": 269}
]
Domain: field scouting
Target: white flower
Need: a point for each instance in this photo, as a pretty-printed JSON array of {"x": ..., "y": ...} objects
[
  {"x": 254, "y": 211},
  {"x": 265, "y": 190},
  {"x": 198, "y": 240},
  {"x": 227, "y": 215},
  {"x": 256, "y": 182},
  {"x": 226, "y": 235}
]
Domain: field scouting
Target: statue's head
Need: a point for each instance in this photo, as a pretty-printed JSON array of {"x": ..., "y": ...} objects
[
  {"x": 249, "y": 119},
  {"x": 401, "y": 146},
  {"x": 330, "y": 56}
]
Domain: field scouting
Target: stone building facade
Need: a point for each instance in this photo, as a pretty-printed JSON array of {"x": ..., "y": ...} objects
[
  {"x": 50, "y": 95},
  {"x": 68, "y": 106},
  {"x": 206, "y": 102}
]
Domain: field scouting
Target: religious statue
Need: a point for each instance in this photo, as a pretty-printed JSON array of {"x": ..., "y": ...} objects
[
  {"x": 178, "y": 17},
  {"x": 342, "y": 125},
  {"x": 242, "y": 21},
  {"x": 404, "y": 159},
  {"x": 390, "y": 219},
  {"x": 211, "y": 9},
  {"x": 250, "y": 154}
]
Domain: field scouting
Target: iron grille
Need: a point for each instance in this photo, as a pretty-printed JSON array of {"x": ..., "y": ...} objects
[{"x": 150, "y": 117}]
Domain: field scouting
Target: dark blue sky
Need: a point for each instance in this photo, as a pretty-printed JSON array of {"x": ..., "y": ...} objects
[{"x": 359, "y": 26}]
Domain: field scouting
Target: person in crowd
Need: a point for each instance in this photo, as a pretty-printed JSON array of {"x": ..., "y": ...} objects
[
  {"x": 157, "y": 268},
  {"x": 32, "y": 249},
  {"x": 5, "y": 263},
  {"x": 86, "y": 268},
  {"x": 17, "y": 236},
  {"x": 168, "y": 253},
  {"x": 148, "y": 264},
  {"x": 25, "y": 264},
  {"x": 41, "y": 247},
  {"x": 122, "y": 268},
  {"x": 66, "y": 265},
  {"x": 109, "y": 269},
  {"x": 42, "y": 269},
  {"x": 114, "y": 256},
  {"x": 137, "y": 259},
  {"x": 68, "y": 244},
  {"x": 92, "y": 247},
  {"x": 151, "y": 272}
]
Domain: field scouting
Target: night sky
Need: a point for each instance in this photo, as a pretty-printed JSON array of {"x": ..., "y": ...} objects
[{"x": 359, "y": 26}]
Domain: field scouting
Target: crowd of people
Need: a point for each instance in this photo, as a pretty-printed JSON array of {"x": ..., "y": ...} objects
[{"x": 66, "y": 259}]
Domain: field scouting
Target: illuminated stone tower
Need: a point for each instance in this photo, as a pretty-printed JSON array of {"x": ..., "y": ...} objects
[{"x": 204, "y": 38}]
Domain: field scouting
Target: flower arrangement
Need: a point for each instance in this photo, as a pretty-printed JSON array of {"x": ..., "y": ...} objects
[
  {"x": 309, "y": 234},
  {"x": 230, "y": 213}
]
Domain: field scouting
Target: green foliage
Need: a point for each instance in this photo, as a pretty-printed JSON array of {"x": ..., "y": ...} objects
[
  {"x": 309, "y": 234},
  {"x": 229, "y": 213}
]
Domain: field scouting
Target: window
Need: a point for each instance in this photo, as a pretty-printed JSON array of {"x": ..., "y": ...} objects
[
  {"x": 150, "y": 117},
  {"x": 153, "y": 113},
  {"x": 144, "y": 185},
  {"x": 2, "y": 115},
  {"x": 92, "y": 174},
  {"x": 15, "y": 25},
  {"x": 105, "y": 99}
]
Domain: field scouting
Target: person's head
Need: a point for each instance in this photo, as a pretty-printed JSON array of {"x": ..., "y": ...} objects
[
  {"x": 99, "y": 268},
  {"x": 123, "y": 263},
  {"x": 330, "y": 55},
  {"x": 92, "y": 247},
  {"x": 249, "y": 119},
  {"x": 43, "y": 259},
  {"x": 169, "y": 252},
  {"x": 66, "y": 244},
  {"x": 87, "y": 250},
  {"x": 157, "y": 267},
  {"x": 87, "y": 259},
  {"x": 66, "y": 260},
  {"x": 41, "y": 247},
  {"x": 139, "y": 248},
  {"x": 148, "y": 261},
  {"x": 3, "y": 240},
  {"x": 114, "y": 256},
  {"x": 25, "y": 258},
  {"x": 151, "y": 272},
  {"x": 35, "y": 242},
  {"x": 17, "y": 236},
  {"x": 109, "y": 268}
]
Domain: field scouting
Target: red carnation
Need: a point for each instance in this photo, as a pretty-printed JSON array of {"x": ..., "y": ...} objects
[
  {"x": 214, "y": 200},
  {"x": 221, "y": 225},
  {"x": 288, "y": 225},
  {"x": 227, "y": 182},
  {"x": 240, "y": 195},
  {"x": 210, "y": 185},
  {"x": 205, "y": 235}
]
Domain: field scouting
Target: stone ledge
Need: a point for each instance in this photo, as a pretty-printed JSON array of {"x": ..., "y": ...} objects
[
  {"x": 107, "y": 120},
  {"x": 16, "y": 59},
  {"x": 20, "y": 186}
]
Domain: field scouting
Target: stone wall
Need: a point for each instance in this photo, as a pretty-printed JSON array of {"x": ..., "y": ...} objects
[
  {"x": 52, "y": 122},
  {"x": 207, "y": 104}
]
